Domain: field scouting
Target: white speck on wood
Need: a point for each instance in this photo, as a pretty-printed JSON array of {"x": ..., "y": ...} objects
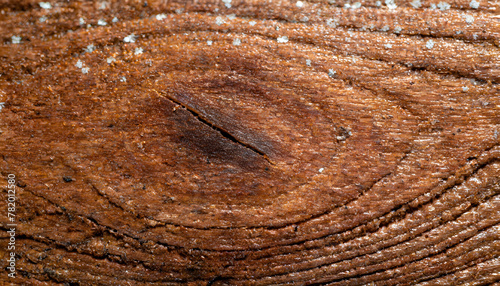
[
  {"x": 160, "y": 17},
  {"x": 130, "y": 38},
  {"x": 429, "y": 44},
  {"x": 474, "y": 4},
  {"x": 282, "y": 39},
  {"x": 475, "y": 180},
  {"x": 356, "y": 5},
  {"x": 236, "y": 42},
  {"x": 227, "y": 3},
  {"x": 45, "y": 5},
  {"x": 390, "y": 4},
  {"x": 443, "y": 6},
  {"x": 101, "y": 22},
  {"x": 138, "y": 51},
  {"x": 416, "y": 4},
  {"x": 219, "y": 21},
  {"x": 89, "y": 49},
  {"x": 469, "y": 19},
  {"x": 331, "y": 22},
  {"x": 16, "y": 40}
]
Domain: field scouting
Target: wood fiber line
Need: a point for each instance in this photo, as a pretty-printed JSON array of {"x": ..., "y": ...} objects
[
  {"x": 414, "y": 231},
  {"x": 252, "y": 142},
  {"x": 194, "y": 22},
  {"x": 394, "y": 260}
]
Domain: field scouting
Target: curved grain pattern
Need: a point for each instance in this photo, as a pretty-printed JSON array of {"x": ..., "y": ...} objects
[{"x": 253, "y": 142}]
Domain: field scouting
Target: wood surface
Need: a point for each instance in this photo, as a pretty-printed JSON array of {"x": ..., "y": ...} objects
[{"x": 252, "y": 142}]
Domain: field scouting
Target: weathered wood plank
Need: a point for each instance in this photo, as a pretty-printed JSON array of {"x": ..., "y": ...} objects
[{"x": 252, "y": 142}]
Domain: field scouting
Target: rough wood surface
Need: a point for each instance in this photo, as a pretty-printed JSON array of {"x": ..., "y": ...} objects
[{"x": 252, "y": 142}]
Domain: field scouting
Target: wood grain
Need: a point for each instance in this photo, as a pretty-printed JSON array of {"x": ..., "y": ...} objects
[{"x": 252, "y": 142}]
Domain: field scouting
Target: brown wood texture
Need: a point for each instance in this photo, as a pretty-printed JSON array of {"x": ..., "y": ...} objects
[{"x": 252, "y": 142}]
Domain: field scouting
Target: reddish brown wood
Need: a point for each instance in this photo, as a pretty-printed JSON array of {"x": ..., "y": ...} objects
[{"x": 252, "y": 142}]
